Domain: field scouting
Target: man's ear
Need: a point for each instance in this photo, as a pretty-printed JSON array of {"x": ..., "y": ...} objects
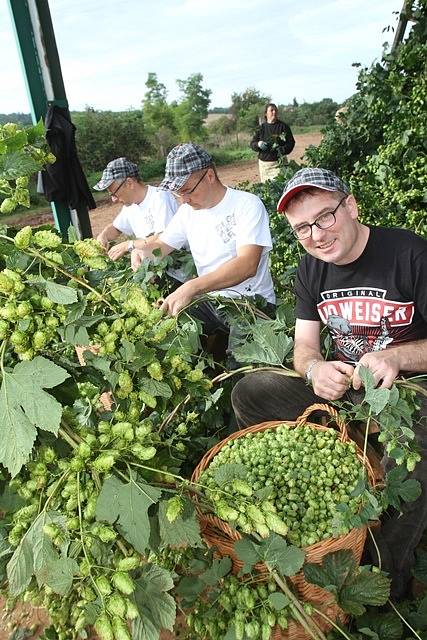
[{"x": 351, "y": 206}]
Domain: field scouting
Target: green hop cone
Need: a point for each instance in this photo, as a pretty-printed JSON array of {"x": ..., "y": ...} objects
[
  {"x": 89, "y": 248},
  {"x": 277, "y": 525},
  {"x": 22, "y": 181},
  {"x": 174, "y": 508},
  {"x": 155, "y": 371},
  {"x": 7, "y": 206},
  {"x": 255, "y": 514},
  {"x": 103, "y": 627},
  {"x": 103, "y": 585},
  {"x": 242, "y": 487},
  {"x": 22, "y": 239},
  {"x": 147, "y": 399},
  {"x": 47, "y": 239},
  {"x": 103, "y": 462},
  {"x": 22, "y": 196},
  {"x": 120, "y": 629},
  {"x": 116, "y": 605},
  {"x": 129, "y": 563},
  {"x": 54, "y": 256},
  {"x": 123, "y": 582},
  {"x": 7, "y": 285},
  {"x": 97, "y": 264}
]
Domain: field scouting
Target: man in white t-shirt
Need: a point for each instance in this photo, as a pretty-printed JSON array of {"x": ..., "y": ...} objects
[
  {"x": 146, "y": 211},
  {"x": 227, "y": 232}
]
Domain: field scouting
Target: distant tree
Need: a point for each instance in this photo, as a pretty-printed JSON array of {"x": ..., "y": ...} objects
[
  {"x": 158, "y": 117},
  {"x": 247, "y": 108},
  {"x": 18, "y": 118},
  {"x": 104, "y": 135},
  {"x": 220, "y": 128},
  {"x": 310, "y": 113},
  {"x": 192, "y": 110}
]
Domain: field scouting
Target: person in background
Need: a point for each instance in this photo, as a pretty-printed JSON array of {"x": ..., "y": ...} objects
[
  {"x": 272, "y": 140},
  {"x": 367, "y": 286},
  {"x": 146, "y": 209}
]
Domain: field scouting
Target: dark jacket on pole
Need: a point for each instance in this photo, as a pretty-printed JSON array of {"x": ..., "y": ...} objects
[
  {"x": 64, "y": 181},
  {"x": 275, "y": 132}
]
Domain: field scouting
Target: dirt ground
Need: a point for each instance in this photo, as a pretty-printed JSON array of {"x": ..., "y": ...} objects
[{"x": 230, "y": 174}]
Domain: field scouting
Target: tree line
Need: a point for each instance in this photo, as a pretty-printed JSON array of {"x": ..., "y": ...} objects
[{"x": 159, "y": 124}]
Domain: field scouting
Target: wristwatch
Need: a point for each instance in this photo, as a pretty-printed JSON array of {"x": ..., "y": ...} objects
[
  {"x": 131, "y": 246},
  {"x": 307, "y": 374}
]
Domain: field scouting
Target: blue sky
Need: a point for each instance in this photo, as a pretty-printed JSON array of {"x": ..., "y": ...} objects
[{"x": 284, "y": 48}]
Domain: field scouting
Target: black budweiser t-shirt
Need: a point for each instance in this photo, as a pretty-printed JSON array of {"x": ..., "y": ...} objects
[{"x": 377, "y": 301}]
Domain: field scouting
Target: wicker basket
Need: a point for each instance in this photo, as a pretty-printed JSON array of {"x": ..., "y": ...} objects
[{"x": 219, "y": 534}]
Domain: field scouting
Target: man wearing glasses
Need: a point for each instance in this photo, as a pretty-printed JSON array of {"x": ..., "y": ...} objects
[
  {"x": 226, "y": 230},
  {"x": 367, "y": 285},
  {"x": 146, "y": 210}
]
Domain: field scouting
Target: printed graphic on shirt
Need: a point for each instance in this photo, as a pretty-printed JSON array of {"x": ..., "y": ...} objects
[
  {"x": 227, "y": 228},
  {"x": 361, "y": 320}
]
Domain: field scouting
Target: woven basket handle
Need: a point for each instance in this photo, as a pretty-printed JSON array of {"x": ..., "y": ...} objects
[{"x": 332, "y": 412}]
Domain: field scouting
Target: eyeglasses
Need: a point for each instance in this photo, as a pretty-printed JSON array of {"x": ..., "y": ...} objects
[
  {"x": 184, "y": 194},
  {"x": 324, "y": 221},
  {"x": 113, "y": 193}
]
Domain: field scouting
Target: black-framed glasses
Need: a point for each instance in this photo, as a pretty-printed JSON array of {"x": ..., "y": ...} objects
[
  {"x": 187, "y": 193},
  {"x": 324, "y": 221},
  {"x": 113, "y": 193}
]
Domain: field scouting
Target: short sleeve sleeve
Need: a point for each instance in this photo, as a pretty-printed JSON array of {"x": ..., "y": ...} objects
[
  {"x": 175, "y": 235},
  {"x": 121, "y": 222},
  {"x": 166, "y": 207},
  {"x": 306, "y": 307},
  {"x": 252, "y": 223}
]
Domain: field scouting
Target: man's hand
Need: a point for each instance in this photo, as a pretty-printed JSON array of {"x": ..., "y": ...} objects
[
  {"x": 384, "y": 366},
  {"x": 103, "y": 240},
  {"x": 330, "y": 380},
  {"x": 136, "y": 258},
  {"x": 118, "y": 250},
  {"x": 262, "y": 145},
  {"x": 179, "y": 299}
]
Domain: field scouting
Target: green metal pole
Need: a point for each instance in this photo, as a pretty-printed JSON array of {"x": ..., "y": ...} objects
[{"x": 35, "y": 37}]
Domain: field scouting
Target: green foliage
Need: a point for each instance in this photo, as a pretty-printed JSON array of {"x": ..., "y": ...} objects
[
  {"x": 23, "y": 151},
  {"x": 379, "y": 142},
  {"x": 128, "y": 503},
  {"x": 192, "y": 110},
  {"x": 353, "y": 587},
  {"x": 158, "y": 116},
  {"x": 104, "y": 135},
  {"x": 25, "y": 406},
  {"x": 247, "y": 107},
  {"x": 310, "y": 113},
  {"x": 273, "y": 551},
  {"x": 394, "y": 410}
]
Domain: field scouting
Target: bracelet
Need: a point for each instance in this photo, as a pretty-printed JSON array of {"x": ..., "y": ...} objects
[
  {"x": 307, "y": 374},
  {"x": 131, "y": 246}
]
